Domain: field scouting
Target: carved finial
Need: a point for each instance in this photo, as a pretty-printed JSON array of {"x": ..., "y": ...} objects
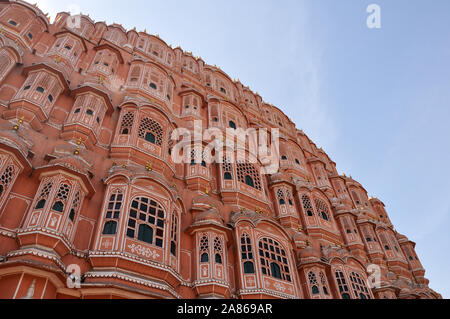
[{"x": 19, "y": 122}]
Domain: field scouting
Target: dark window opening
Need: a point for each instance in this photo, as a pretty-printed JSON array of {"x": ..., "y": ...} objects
[
  {"x": 249, "y": 267},
  {"x": 282, "y": 202},
  {"x": 218, "y": 259},
  {"x": 249, "y": 181},
  {"x": 110, "y": 228},
  {"x": 173, "y": 249},
  {"x": 315, "y": 290},
  {"x": 149, "y": 137},
  {"x": 40, "y": 204},
  {"x": 232, "y": 125},
  {"x": 72, "y": 214},
  {"x": 50, "y": 98},
  {"x": 58, "y": 206},
  {"x": 27, "y": 88},
  {"x": 153, "y": 86},
  {"x": 40, "y": 89},
  {"x": 227, "y": 176},
  {"x": 275, "y": 270},
  {"x": 145, "y": 234},
  {"x": 90, "y": 112},
  {"x": 204, "y": 258},
  {"x": 77, "y": 111},
  {"x": 12, "y": 22}
]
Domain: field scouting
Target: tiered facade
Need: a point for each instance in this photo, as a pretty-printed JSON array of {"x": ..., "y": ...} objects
[{"x": 88, "y": 185}]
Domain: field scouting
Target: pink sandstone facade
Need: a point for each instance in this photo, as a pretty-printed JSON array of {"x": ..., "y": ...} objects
[{"x": 88, "y": 184}]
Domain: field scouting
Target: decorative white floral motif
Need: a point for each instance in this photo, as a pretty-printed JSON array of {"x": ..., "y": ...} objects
[
  {"x": 143, "y": 251},
  {"x": 279, "y": 287}
]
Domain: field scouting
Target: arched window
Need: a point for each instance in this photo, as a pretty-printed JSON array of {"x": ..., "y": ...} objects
[
  {"x": 323, "y": 209},
  {"x": 232, "y": 124},
  {"x": 307, "y": 206},
  {"x": 356, "y": 198},
  {"x": 323, "y": 282},
  {"x": 113, "y": 210},
  {"x": 359, "y": 287},
  {"x": 227, "y": 169},
  {"x": 218, "y": 250},
  {"x": 43, "y": 196},
  {"x": 342, "y": 284},
  {"x": 127, "y": 123},
  {"x": 204, "y": 249},
  {"x": 154, "y": 128},
  {"x": 248, "y": 175},
  {"x": 273, "y": 259},
  {"x": 247, "y": 254},
  {"x": 61, "y": 197},
  {"x": 312, "y": 278},
  {"x": 145, "y": 211}
]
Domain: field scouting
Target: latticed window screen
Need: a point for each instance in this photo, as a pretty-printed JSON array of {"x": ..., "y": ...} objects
[
  {"x": 359, "y": 287},
  {"x": 342, "y": 284},
  {"x": 173, "y": 235},
  {"x": 218, "y": 254},
  {"x": 150, "y": 126},
  {"x": 43, "y": 196},
  {"x": 146, "y": 212},
  {"x": 247, "y": 171},
  {"x": 356, "y": 198},
  {"x": 127, "y": 123},
  {"x": 322, "y": 208},
  {"x": 312, "y": 278},
  {"x": 204, "y": 249},
  {"x": 323, "y": 281},
  {"x": 75, "y": 206},
  {"x": 307, "y": 206},
  {"x": 113, "y": 213},
  {"x": 6, "y": 178},
  {"x": 61, "y": 197},
  {"x": 280, "y": 197},
  {"x": 247, "y": 254},
  {"x": 273, "y": 259}
]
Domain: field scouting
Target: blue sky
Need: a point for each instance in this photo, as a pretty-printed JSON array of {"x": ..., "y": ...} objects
[{"x": 377, "y": 101}]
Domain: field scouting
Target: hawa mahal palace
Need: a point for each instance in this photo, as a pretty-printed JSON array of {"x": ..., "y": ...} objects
[{"x": 93, "y": 206}]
